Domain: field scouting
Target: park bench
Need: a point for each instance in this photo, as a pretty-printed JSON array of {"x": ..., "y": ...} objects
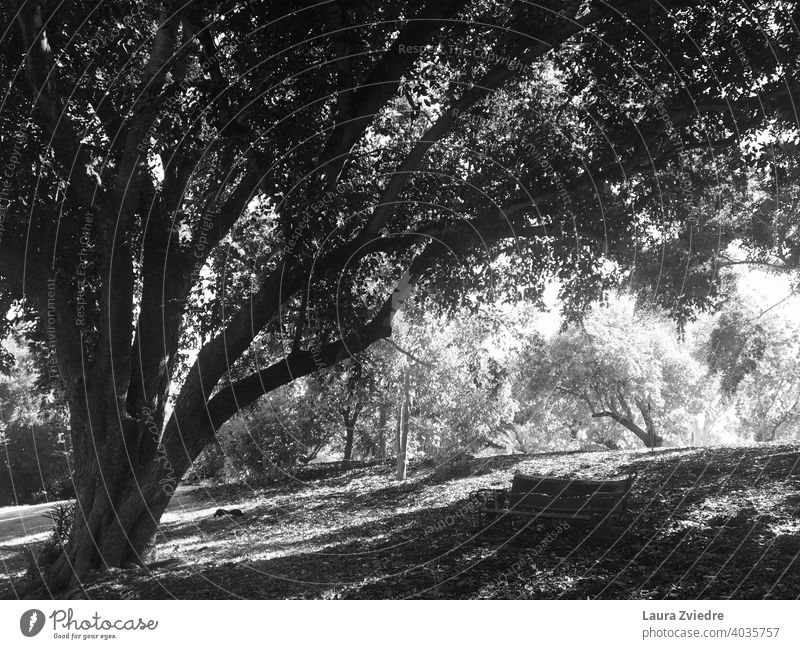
[{"x": 541, "y": 497}]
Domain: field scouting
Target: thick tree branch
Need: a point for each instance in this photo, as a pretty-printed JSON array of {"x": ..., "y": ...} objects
[
  {"x": 143, "y": 114},
  {"x": 49, "y": 109},
  {"x": 336, "y": 21},
  {"x": 114, "y": 241},
  {"x": 492, "y": 81},
  {"x": 244, "y": 391},
  {"x": 627, "y": 423}
]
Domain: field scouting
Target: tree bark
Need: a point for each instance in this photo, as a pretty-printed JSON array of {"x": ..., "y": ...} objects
[
  {"x": 382, "y": 430},
  {"x": 349, "y": 436},
  {"x": 402, "y": 429},
  {"x": 120, "y": 496},
  {"x": 653, "y": 440},
  {"x": 631, "y": 426}
]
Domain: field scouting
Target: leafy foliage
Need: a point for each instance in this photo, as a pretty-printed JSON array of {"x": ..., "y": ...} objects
[
  {"x": 736, "y": 345},
  {"x": 34, "y": 451},
  {"x": 623, "y": 365},
  {"x": 768, "y": 395}
]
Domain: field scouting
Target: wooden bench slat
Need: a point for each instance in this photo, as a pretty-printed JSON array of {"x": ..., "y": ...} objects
[
  {"x": 543, "y": 514},
  {"x": 566, "y": 507},
  {"x": 537, "y": 501},
  {"x": 544, "y": 485}
]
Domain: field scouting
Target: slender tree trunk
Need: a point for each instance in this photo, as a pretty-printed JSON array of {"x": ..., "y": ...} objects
[
  {"x": 402, "y": 430},
  {"x": 398, "y": 433},
  {"x": 402, "y": 441},
  {"x": 382, "y": 430},
  {"x": 350, "y": 431}
]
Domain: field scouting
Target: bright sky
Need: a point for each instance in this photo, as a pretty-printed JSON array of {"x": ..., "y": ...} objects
[
  {"x": 764, "y": 290},
  {"x": 768, "y": 290}
]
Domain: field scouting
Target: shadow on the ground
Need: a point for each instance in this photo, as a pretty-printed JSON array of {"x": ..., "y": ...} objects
[{"x": 704, "y": 523}]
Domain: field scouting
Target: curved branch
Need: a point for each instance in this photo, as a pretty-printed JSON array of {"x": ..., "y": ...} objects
[
  {"x": 243, "y": 392},
  {"x": 627, "y": 423},
  {"x": 407, "y": 353}
]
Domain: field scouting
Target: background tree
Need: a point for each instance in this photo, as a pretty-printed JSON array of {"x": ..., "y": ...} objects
[
  {"x": 348, "y": 388},
  {"x": 461, "y": 388},
  {"x": 627, "y": 365},
  {"x": 768, "y": 395},
  {"x": 34, "y": 451},
  {"x": 736, "y": 344}
]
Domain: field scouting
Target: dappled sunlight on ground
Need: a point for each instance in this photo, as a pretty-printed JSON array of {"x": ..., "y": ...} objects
[
  {"x": 7, "y": 549},
  {"x": 707, "y": 523}
]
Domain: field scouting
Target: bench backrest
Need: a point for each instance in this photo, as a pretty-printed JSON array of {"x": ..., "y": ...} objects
[{"x": 565, "y": 495}]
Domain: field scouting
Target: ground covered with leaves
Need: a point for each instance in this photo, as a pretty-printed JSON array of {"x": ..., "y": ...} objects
[{"x": 703, "y": 523}]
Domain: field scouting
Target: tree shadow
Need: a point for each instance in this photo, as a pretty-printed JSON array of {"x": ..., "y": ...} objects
[{"x": 703, "y": 524}]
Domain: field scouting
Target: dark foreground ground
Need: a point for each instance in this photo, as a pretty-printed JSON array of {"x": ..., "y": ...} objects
[{"x": 705, "y": 523}]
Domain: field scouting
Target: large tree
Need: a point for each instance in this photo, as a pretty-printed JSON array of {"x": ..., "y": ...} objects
[{"x": 269, "y": 181}]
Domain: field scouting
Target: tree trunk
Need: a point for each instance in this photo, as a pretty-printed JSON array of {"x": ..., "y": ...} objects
[
  {"x": 402, "y": 430},
  {"x": 382, "y": 430},
  {"x": 110, "y": 529},
  {"x": 350, "y": 430},
  {"x": 653, "y": 440},
  {"x": 119, "y": 503},
  {"x": 124, "y": 479},
  {"x": 402, "y": 441},
  {"x": 643, "y": 435}
]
